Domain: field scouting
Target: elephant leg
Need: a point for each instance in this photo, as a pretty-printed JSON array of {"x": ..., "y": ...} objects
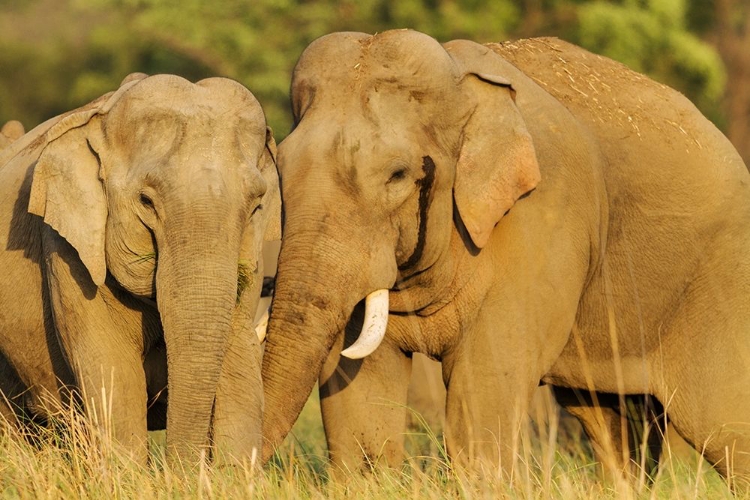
[
  {"x": 113, "y": 388},
  {"x": 709, "y": 407},
  {"x": 238, "y": 410},
  {"x": 488, "y": 394},
  {"x": 620, "y": 437},
  {"x": 706, "y": 387},
  {"x": 426, "y": 396},
  {"x": 11, "y": 393},
  {"x": 363, "y": 403},
  {"x": 103, "y": 340},
  {"x": 713, "y": 415}
]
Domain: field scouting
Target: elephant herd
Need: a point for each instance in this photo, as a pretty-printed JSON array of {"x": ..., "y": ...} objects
[{"x": 528, "y": 213}]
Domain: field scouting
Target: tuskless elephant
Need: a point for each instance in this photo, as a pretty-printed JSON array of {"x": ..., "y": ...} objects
[
  {"x": 9, "y": 132},
  {"x": 526, "y": 213},
  {"x": 131, "y": 230}
]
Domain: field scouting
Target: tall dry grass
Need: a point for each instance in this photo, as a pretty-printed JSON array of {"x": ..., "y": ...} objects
[{"x": 75, "y": 458}]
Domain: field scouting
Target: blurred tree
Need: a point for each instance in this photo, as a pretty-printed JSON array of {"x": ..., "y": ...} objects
[
  {"x": 651, "y": 37},
  {"x": 726, "y": 25},
  {"x": 258, "y": 43},
  {"x": 57, "y": 54}
]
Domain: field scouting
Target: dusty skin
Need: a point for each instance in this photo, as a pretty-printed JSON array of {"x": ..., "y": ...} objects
[
  {"x": 123, "y": 226},
  {"x": 538, "y": 213}
]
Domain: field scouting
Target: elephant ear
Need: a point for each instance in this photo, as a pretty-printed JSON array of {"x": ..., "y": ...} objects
[
  {"x": 272, "y": 198},
  {"x": 497, "y": 162},
  {"x": 66, "y": 188}
]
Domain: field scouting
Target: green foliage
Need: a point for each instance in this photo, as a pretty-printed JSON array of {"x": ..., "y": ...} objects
[
  {"x": 59, "y": 54},
  {"x": 650, "y": 37}
]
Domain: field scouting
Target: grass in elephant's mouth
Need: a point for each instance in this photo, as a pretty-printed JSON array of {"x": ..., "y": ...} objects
[
  {"x": 244, "y": 278},
  {"x": 85, "y": 464}
]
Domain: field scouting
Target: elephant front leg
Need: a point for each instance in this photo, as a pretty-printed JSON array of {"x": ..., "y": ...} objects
[
  {"x": 490, "y": 382},
  {"x": 103, "y": 343},
  {"x": 363, "y": 403},
  {"x": 483, "y": 426},
  {"x": 113, "y": 389}
]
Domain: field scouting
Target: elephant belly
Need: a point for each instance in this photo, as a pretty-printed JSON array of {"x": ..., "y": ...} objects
[{"x": 653, "y": 310}]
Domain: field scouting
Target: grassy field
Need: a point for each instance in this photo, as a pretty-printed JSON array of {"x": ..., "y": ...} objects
[{"x": 81, "y": 464}]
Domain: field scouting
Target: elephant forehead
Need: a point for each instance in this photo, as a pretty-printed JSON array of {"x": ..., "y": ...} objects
[
  {"x": 388, "y": 87},
  {"x": 356, "y": 57},
  {"x": 378, "y": 124},
  {"x": 214, "y": 102},
  {"x": 159, "y": 132},
  {"x": 400, "y": 65},
  {"x": 203, "y": 176},
  {"x": 350, "y": 151}
]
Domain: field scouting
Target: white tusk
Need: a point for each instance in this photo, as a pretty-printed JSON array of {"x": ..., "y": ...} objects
[
  {"x": 373, "y": 331},
  {"x": 260, "y": 327}
]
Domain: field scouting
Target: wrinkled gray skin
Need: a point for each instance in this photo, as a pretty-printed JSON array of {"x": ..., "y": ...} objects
[
  {"x": 123, "y": 225},
  {"x": 623, "y": 270}
]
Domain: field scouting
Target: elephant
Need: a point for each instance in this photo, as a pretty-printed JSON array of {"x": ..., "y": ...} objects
[
  {"x": 131, "y": 231},
  {"x": 637, "y": 428},
  {"x": 9, "y": 132},
  {"x": 527, "y": 213}
]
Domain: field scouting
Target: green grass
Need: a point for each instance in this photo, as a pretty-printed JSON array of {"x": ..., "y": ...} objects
[{"x": 85, "y": 464}]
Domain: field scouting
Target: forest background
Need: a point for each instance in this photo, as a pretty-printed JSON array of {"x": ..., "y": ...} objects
[{"x": 56, "y": 55}]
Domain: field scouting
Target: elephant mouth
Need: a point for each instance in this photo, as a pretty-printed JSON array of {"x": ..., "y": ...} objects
[
  {"x": 245, "y": 278},
  {"x": 261, "y": 325}
]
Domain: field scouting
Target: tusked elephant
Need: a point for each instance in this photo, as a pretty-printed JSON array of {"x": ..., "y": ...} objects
[
  {"x": 526, "y": 213},
  {"x": 634, "y": 426},
  {"x": 131, "y": 230}
]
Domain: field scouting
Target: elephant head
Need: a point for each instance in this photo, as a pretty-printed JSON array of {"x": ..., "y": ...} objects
[
  {"x": 166, "y": 190},
  {"x": 401, "y": 148}
]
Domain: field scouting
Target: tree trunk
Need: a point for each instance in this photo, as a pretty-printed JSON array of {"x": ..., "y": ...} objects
[{"x": 733, "y": 42}]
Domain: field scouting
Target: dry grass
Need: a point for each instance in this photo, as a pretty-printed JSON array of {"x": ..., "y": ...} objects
[{"x": 77, "y": 463}]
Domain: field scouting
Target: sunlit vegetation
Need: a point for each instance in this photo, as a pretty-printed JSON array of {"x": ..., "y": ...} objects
[
  {"x": 75, "y": 458},
  {"x": 59, "y": 54}
]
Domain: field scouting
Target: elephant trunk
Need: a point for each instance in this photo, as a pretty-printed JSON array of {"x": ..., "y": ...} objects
[
  {"x": 196, "y": 285},
  {"x": 310, "y": 309},
  {"x": 301, "y": 333}
]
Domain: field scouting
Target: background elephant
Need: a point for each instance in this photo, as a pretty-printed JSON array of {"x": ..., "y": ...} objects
[
  {"x": 536, "y": 213},
  {"x": 9, "y": 132},
  {"x": 131, "y": 230}
]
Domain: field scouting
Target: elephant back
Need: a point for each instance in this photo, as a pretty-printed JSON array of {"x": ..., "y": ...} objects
[
  {"x": 612, "y": 99},
  {"x": 626, "y": 112}
]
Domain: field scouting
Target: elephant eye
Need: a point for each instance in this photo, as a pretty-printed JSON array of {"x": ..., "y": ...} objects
[
  {"x": 146, "y": 201},
  {"x": 398, "y": 175},
  {"x": 259, "y": 207}
]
